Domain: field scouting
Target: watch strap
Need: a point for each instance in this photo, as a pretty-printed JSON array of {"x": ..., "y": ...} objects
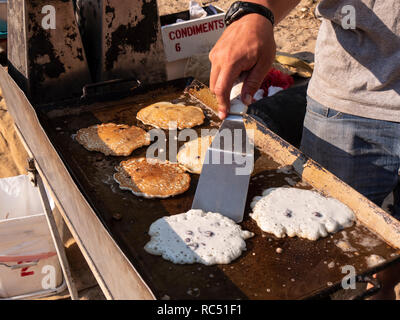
[{"x": 241, "y": 8}]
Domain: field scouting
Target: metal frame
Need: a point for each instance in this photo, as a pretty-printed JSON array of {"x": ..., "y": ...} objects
[
  {"x": 40, "y": 294},
  {"x": 49, "y": 64},
  {"x": 58, "y": 243},
  {"x": 122, "y": 39}
]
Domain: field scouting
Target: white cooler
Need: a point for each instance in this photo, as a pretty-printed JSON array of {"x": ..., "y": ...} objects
[{"x": 29, "y": 265}]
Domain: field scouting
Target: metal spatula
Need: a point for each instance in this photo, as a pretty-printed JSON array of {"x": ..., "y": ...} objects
[{"x": 225, "y": 176}]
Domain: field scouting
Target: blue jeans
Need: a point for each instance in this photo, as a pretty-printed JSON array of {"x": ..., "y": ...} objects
[{"x": 363, "y": 152}]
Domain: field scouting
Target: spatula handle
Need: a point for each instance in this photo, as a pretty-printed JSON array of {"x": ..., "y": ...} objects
[{"x": 237, "y": 105}]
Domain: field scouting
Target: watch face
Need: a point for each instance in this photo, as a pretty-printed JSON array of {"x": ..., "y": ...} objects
[
  {"x": 234, "y": 13},
  {"x": 233, "y": 8},
  {"x": 237, "y": 14},
  {"x": 235, "y": 5}
]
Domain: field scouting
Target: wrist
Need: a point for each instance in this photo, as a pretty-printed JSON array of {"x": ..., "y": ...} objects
[{"x": 254, "y": 19}]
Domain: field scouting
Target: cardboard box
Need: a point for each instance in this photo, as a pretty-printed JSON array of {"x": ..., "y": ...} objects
[
  {"x": 24, "y": 274},
  {"x": 29, "y": 265},
  {"x": 185, "y": 39}
]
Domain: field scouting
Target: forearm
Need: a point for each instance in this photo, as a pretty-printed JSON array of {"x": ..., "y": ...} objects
[{"x": 280, "y": 8}]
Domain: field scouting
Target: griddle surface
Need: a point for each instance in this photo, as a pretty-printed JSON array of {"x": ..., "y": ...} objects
[{"x": 303, "y": 269}]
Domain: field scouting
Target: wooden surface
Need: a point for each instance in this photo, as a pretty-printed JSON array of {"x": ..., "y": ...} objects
[
  {"x": 12, "y": 153},
  {"x": 116, "y": 276}
]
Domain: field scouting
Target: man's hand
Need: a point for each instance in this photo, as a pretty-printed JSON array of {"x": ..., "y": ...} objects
[{"x": 248, "y": 44}]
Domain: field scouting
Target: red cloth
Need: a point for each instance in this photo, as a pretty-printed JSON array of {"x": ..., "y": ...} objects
[{"x": 276, "y": 78}]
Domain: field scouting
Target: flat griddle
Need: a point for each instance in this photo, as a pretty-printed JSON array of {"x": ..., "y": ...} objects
[{"x": 304, "y": 269}]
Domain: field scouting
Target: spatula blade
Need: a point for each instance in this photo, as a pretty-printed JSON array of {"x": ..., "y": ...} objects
[{"x": 225, "y": 176}]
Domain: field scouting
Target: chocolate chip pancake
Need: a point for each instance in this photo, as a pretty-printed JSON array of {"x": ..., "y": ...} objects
[
  {"x": 151, "y": 178},
  {"x": 113, "y": 139},
  {"x": 166, "y": 115}
]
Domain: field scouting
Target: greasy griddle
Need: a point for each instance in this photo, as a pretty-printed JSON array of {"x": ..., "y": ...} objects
[{"x": 304, "y": 268}]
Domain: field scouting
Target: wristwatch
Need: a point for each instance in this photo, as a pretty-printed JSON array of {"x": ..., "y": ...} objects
[{"x": 239, "y": 9}]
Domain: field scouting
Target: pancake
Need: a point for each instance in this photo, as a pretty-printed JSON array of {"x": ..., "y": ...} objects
[
  {"x": 113, "y": 139},
  {"x": 151, "y": 178},
  {"x": 197, "y": 236},
  {"x": 191, "y": 155},
  {"x": 297, "y": 212},
  {"x": 160, "y": 115}
]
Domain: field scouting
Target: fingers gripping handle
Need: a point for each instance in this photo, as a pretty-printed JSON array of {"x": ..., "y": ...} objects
[{"x": 237, "y": 105}]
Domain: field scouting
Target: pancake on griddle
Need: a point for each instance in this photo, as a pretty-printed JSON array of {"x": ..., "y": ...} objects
[
  {"x": 192, "y": 153},
  {"x": 197, "y": 237},
  {"x": 113, "y": 139},
  {"x": 297, "y": 212},
  {"x": 151, "y": 178},
  {"x": 163, "y": 114}
]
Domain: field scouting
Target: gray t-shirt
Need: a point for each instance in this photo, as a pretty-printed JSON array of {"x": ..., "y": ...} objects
[{"x": 357, "y": 71}]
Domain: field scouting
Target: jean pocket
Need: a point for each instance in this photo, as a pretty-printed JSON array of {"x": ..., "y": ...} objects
[{"x": 320, "y": 110}]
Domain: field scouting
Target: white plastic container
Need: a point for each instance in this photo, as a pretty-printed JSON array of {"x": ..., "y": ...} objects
[
  {"x": 188, "y": 38},
  {"x": 29, "y": 265}
]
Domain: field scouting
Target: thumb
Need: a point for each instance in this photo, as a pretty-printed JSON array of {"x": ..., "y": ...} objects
[{"x": 253, "y": 82}]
